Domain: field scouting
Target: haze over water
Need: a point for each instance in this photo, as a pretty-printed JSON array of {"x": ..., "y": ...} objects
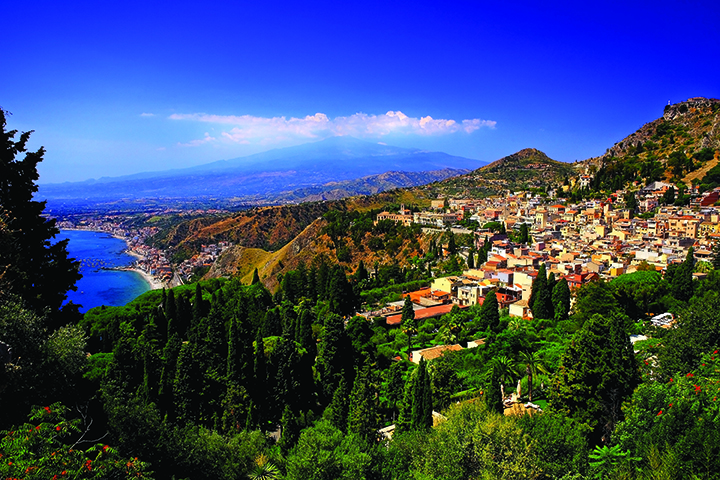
[{"x": 96, "y": 250}]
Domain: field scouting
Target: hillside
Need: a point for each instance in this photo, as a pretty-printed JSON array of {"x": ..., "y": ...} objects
[
  {"x": 681, "y": 146},
  {"x": 528, "y": 168}
]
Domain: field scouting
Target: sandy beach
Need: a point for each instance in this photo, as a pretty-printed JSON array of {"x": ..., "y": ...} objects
[{"x": 155, "y": 284}]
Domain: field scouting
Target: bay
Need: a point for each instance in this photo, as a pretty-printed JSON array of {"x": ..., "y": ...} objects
[{"x": 98, "y": 286}]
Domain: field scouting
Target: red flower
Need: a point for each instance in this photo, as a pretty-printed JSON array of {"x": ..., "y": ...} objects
[
  {"x": 671, "y": 379},
  {"x": 659, "y": 413},
  {"x": 690, "y": 375},
  {"x": 703, "y": 364},
  {"x": 47, "y": 409},
  {"x": 715, "y": 351},
  {"x": 57, "y": 428},
  {"x": 697, "y": 389},
  {"x": 671, "y": 404}
]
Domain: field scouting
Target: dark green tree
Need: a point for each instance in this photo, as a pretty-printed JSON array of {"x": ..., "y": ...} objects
[
  {"x": 451, "y": 245},
  {"x": 541, "y": 296},
  {"x": 32, "y": 267},
  {"x": 561, "y": 300},
  {"x": 332, "y": 358},
  {"x": 716, "y": 256},
  {"x": 304, "y": 334},
  {"x": 341, "y": 295},
  {"x": 258, "y": 392},
  {"x": 682, "y": 281},
  {"x": 255, "y": 277},
  {"x": 668, "y": 197},
  {"x": 361, "y": 274},
  {"x": 490, "y": 313},
  {"x": 290, "y": 429},
  {"x": 471, "y": 259},
  {"x": 337, "y": 412},
  {"x": 524, "y": 236},
  {"x": 597, "y": 373},
  {"x": 170, "y": 309},
  {"x": 421, "y": 411},
  {"x": 362, "y": 414},
  {"x": 187, "y": 388}
]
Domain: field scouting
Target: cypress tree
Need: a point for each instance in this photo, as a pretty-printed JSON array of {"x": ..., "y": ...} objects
[
  {"x": 167, "y": 379},
  {"x": 540, "y": 297},
  {"x": 290, "y": 430},
  {"x": 408, "y": 312},
  {"x": 561, "y": 300},
  {"x": 259, "y": 392},
  {"x": 337, "y": 412},
  {"x": 362, "y": 415},
  {"x": 404, "y": 420},
  {"x": 452, "y": 246},
  {"x": 716, "y": 256},
  {"x": 304, "y": 334},
  {"x": 332, "y": 355},
  {"x": 361, "y": 273},
  {"x": 471, "y": 259},
  {"x": 682, "y": 281},
  {"x": 490, "y": 312},
  {"x": 287, "y": 378},
  {"x": 199, "y": 306},
  {"x": 170, "y": 313},
  {"x": 233, "y": 358},
  {"x": 216, "y": 341},
  {"x": 186, "y": 391},
  {"x": 272, "y": 326},
  {"x": 255, "y": 277},
  {"x": 550, "y": 306},
  {"x": 421, "y": 413},
  {"x": 183, "y": 314},
  {"x": 341, "y": 295}
]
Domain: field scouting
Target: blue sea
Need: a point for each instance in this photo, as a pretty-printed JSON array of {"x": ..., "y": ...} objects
[{"x": 96, "y": 250}]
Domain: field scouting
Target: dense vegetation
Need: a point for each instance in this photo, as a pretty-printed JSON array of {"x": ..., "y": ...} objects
[{"x": 223, "y": 380}]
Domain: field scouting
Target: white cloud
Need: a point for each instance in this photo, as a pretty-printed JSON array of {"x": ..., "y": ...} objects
[
  {"x": 147, "y": 114},
  {"x": 248, "y": 129},
  {"x": 196, "y": 143}
]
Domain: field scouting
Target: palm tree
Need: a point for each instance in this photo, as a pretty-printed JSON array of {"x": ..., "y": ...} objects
[
  {"x": 264, "y": 470},
  {"x": 505, "y": 370},
  {"x": 532, "y": 364}
]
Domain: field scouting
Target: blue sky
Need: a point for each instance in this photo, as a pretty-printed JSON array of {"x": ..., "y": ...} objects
[{"x": 114, "y": 88}]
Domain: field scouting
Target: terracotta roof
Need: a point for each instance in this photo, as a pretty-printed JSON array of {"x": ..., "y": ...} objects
[
  {"x": 434, "y": 352},
  {"x": 424, "y": 313}
]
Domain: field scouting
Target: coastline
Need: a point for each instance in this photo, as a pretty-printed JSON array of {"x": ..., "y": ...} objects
[{"x": 154, "y": 283}]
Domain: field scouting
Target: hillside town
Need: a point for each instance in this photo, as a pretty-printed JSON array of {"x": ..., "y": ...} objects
[{"x": 580, "y": 242}]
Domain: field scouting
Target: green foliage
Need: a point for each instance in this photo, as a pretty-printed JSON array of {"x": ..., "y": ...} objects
[
  {"x": 541, "y": 297},
  {"x": 39, "y": 272},
  {"x": 42, "y": 368},
  {"x": 42, "y": 449},
  {"x": 697, "y": 331},
  {"x": 561, "y": 300},
  {"x": 598, "y": 372},
  {"x": 678, "y": 419},
  {"x": 325, "y": 453},
  {"x": 607, "y": 459}
]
